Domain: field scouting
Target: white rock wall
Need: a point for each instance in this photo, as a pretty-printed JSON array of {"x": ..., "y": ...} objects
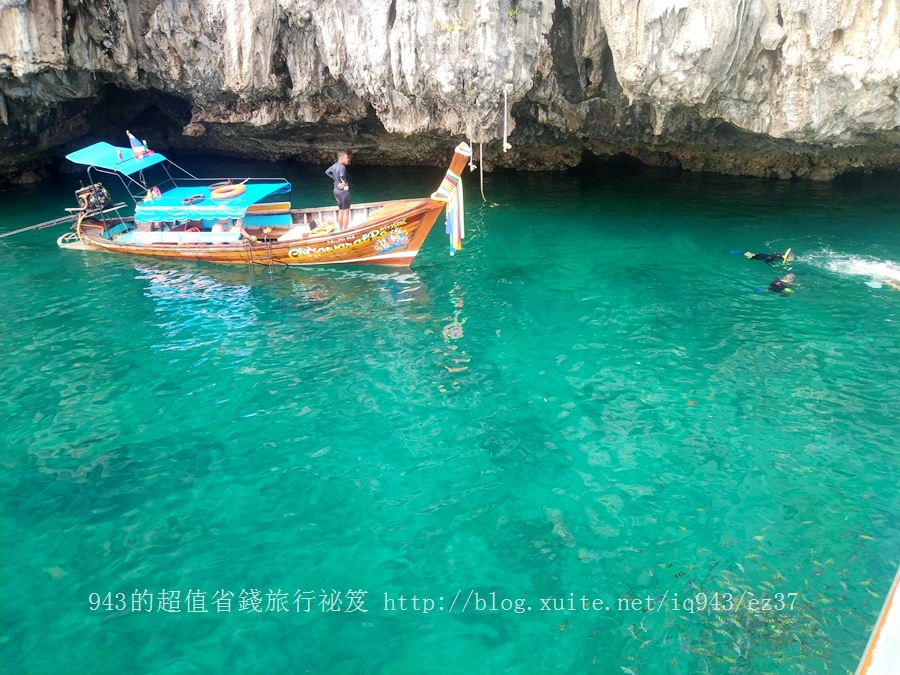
[
  {"x": 823, "y": 72},
  {"x": 807, "y": 70}
]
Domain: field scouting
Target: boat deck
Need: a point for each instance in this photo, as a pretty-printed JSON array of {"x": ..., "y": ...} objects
[{"x": 882, "y": 654}]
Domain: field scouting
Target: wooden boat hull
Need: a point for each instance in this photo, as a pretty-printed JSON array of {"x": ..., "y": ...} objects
[
  {"x": 392, "y": 235},
  {"x": 381, "y": 233}
]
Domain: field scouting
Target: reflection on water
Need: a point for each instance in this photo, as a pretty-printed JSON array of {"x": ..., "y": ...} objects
[
  {"x": 454, "y": 329},
  {"x": 225, "y": 299},
  {"x": 455, "y": 359},
  {"x": 393, "y": 287},
  {"x": 199, "y": 300}
]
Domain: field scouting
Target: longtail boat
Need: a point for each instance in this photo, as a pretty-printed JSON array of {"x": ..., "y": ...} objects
[{"x": 177, "y": 215}]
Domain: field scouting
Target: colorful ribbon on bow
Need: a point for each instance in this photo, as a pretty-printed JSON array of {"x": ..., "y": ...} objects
[{"x": 451, "y": 192}]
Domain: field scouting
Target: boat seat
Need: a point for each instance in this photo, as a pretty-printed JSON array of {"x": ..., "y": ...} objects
[
  {"x": 115, "y": 230},
  {"x": 281, "y": 220},
  {"x": 270, "y": 207},
  {"x": 295, "y": 233}
]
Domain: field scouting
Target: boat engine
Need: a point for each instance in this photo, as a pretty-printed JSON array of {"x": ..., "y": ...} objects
[{"x": 93, "y": 198}]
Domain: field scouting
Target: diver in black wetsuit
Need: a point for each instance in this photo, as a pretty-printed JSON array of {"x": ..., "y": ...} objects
[
  {"x": 770, "y": 258},
  {"x": 783, "y": 285}
]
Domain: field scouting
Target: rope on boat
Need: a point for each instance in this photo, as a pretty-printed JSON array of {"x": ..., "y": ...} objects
[
  {"x": 506, "y": 145},
  {"x": 481, "y": 169},
  {"x": 456, "y": 214},
  {"x": 480, "y": 165},
  {"x": 247, "y": 245},
  {"x": 269, "y": 256}
]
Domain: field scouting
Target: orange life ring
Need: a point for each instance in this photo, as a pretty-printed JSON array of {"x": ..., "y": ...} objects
[{"x": 227, "y": 191}]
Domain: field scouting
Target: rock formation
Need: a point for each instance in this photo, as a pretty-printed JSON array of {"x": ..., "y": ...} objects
[{"x": 758, "y": 87}]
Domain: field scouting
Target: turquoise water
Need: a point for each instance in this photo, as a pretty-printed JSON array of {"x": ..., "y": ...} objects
[{"x": 589, "y": 401}]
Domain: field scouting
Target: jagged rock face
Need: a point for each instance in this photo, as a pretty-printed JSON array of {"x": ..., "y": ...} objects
[{"x": 759, "y": 87}]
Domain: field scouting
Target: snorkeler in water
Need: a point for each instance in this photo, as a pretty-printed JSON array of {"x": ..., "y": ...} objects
[
  {"x": 783, "y": 285},
  {"x": 769, "y": 258}
]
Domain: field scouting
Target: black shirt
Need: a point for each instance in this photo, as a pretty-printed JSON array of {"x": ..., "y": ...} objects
[
  {"x": 768, "y": 257},
  {"x": 338, "y": 173},
  {"x": 779, "y": 286}
]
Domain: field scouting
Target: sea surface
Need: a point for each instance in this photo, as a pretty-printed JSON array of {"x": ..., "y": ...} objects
[{"x": 590, "y": 442}]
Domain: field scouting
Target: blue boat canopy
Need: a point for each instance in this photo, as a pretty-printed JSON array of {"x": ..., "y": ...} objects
[
  {"x": 107, "y": 156},
  {"x": 179, "y": 203},
  {"x": 170, "y": 205}
]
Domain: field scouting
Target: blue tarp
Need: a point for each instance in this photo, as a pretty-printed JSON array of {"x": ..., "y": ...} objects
[
  {"x": 169, "y": 206},
  {"x": 106, "y": 156}
]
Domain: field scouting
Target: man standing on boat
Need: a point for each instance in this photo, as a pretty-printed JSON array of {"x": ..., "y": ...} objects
[{"x": 338, "y": 173}]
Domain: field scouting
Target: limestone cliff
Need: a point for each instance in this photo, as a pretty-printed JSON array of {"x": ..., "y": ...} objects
[{"x": 759, "y": 87}]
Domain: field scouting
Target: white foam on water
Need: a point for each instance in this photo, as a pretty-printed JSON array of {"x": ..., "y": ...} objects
[{"x": 854, "y": 265}]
